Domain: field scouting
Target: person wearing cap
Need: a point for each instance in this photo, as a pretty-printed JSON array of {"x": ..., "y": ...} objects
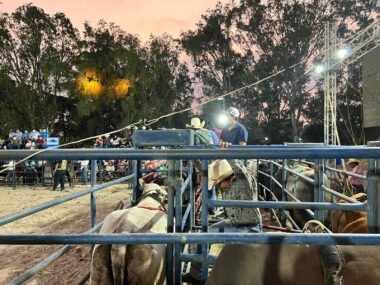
[
  {"x": 234, "y": 133},
  {"x": 235, "y": 183},
  {"x": 201, "y": 135}
]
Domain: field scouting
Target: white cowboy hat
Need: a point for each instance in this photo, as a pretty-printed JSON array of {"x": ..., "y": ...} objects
[
  {"x": 196, "y": 124},
  {"x": 218, "y": 171}
]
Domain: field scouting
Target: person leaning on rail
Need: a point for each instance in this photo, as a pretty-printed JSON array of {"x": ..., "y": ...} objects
[
  {"x": 235, "y": 183},
  {"x": 234, "y": 133}
]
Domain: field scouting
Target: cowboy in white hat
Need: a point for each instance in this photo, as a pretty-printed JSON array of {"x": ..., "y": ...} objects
[
  {"x": 235, "y": 182},
  {"x": 234, "y": 133},
  {"x": 201, "y": 135}
]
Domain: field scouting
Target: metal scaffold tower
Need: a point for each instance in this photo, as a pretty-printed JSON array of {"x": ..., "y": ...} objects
[
  {"x": 339, "y": 53},
  {"x": 330, "y": 85}
]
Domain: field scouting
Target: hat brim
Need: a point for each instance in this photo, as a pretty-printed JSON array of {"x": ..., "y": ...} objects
[{"x": 196, "y": 127}]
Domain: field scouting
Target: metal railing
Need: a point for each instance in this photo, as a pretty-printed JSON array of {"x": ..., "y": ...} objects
[{"x": 175, "y": 238}]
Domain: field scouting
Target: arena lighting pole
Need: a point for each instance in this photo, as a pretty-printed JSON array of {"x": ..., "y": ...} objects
[{"x": 350, "y": 50}]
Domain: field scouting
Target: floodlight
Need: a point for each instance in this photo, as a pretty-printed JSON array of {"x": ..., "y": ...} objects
[
  {"x": 342, "y": 53},
  {"x": 222, "y": 119},
  {"x": 319, "y": 68}
]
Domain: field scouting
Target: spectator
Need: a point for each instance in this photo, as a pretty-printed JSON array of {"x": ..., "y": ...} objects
[
  {"x": 30, "y": 144},
  {"x": 358, "y": 184},
  {"x": 25, "y": 137},
  {"x": 59, "y": 174},
  {"x": 211, "y": 128},
  {"x": 18, "y": 136},
  {"x": 107, "y": 141},
  {"x": 34, "y": 135},
  {"x": 99, "y": 142},
  {"x": 122, "y": 168},
  {"x": 234, "y": 133},
  {"x": 40, "y": 143},
  {"x": 115, "y": 141},
  {"x": 11, "y": 134},
  {"x": 84, "y": 170},
  {"x": 201, "y": 135}
]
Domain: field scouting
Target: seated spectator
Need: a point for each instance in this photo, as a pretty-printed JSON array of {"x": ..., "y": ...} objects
[
  {"x": 30, "y": 144},
  {"x": 34, "y": 135},
  {"x": 115, "y": 141},
  {"x": 40, "y": 143},
  {"x": 99, "y": 142}
]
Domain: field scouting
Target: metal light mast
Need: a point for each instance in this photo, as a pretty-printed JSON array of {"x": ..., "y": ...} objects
[{"x": 336, "y": 55}]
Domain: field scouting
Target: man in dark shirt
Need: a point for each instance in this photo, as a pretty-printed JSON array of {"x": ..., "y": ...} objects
[{"x": 234, "y": 133}]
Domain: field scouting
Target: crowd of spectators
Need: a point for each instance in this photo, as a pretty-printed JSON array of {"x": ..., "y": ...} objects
[{"x": 25, "y": 139}]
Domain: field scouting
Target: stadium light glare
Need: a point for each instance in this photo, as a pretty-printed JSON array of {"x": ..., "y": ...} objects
[
  {"x": 319, "y": 68},
  {"x": 222, "y": 119},
  {"x": 342, "y": 53}
]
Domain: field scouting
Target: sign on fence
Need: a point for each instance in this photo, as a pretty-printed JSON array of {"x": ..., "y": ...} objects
[{"x": 52, "y": 142}]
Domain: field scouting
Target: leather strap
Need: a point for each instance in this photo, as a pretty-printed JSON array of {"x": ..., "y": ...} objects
[{"x": 332, "y": 261}]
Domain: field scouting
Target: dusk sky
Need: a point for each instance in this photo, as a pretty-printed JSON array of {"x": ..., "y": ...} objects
[{"x": 142, "y": 17}]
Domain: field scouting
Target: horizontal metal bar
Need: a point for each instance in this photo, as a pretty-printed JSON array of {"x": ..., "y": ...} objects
[
  {"x": 172, "y": 154},
  {"x": 61, "y": 200},
  {"x": 288, "y": 205},
  {"x": 187, "y": 257},
  {"x": 286, "y": 212},
  {"x": 193, "y": 238},
  {"x": 38, "y": 267},
  {"x": 307, "y": 179},
  {"x": 347, "y": 173},
  {"x": 311, "y": 213},
  {"x": 340, "y": 195}
]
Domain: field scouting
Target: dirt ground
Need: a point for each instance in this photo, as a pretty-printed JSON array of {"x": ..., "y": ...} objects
[{"x": 70, "y": 217}]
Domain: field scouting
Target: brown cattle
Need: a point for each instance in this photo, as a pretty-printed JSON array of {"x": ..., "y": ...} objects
[
  {"x": 291, "y": 265},
  {"x": 133, "y": 264},
  {"x": 350, "y": 222}
]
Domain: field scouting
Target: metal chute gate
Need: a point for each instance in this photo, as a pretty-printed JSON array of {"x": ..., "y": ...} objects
[{"x": 180, "y": 148}]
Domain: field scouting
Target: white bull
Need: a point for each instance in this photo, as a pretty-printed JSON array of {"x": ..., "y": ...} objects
[{"x": 133, "y": 264}]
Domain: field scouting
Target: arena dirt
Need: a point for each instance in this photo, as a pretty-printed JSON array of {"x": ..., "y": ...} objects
[{"x": 70, "y": 217}]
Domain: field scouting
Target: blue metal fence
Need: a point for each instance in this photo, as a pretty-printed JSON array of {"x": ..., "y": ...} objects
[{"x": 174, "y": 238}]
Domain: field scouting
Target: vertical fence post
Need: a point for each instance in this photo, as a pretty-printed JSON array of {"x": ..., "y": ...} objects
[
  {"x": 283, "y": 194},
  {"x": 204, "y": 218},
  {"x": 373, "y": 188},
  {"x": 192, "y": 197},
  {"x": 170, "y": 228},
  {"x": 178, "y": 220},
  {"x": 271, "y": 184},
  {"x": 14, "y": 176},
  {"x": 136, "y": 166},
  {"x": 318, "y": 192},
  {"x": 93, "y": 197}
]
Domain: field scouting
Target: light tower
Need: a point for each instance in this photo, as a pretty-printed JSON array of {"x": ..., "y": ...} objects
[
  {"x": 329, "y": 117},
  {"x": 339, "y": 53}
]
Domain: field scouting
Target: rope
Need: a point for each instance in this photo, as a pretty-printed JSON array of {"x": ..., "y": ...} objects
[{"x": 315, "y": 226}]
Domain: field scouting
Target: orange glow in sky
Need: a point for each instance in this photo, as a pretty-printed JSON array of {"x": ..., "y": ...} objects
[{"x": 142, "y": 17}]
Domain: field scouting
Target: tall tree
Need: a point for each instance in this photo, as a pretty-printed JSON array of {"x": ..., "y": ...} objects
[{"x": 37, "y": 52}]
